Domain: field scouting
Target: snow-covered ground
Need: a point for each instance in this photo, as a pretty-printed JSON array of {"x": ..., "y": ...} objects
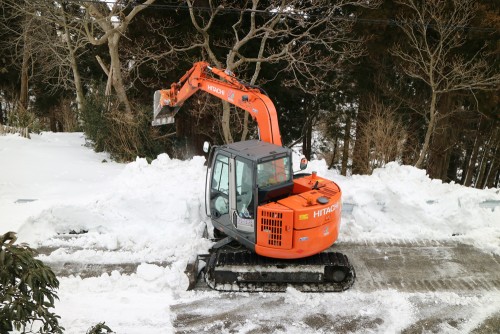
[{"x": 152, "y": 215}]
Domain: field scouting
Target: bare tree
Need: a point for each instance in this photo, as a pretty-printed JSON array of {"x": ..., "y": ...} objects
[
  {"x": 48, "y": 39},
  {"x": 434, "y": 32},
  {"x": 308, "y": 40},
  {"x": 26, "y": 55},
  {"x": 18, "y": 28},
  {"x": 106, "y": 23},
  {"x": 67, "y": 27},
  {"x": 383, "y": 135},
  {"x": 70, "y": 43}
]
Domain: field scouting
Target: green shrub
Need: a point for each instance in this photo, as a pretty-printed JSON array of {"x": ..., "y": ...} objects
[
  {"x": 25, "y": 119},
  {"x": 27, "y": 290}
]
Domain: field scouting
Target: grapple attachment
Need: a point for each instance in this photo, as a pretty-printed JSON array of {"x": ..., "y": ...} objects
[{"x": 163, "y": 113}]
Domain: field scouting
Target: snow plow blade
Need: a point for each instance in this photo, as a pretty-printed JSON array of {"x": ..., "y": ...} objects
[{"x": 244, "y": 271}]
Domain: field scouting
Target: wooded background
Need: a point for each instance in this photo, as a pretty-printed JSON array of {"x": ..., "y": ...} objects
[{"x": 359, "y": 83}]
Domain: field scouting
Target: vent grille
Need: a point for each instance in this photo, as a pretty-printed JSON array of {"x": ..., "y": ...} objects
[
  {"x": 328, "y": 192},
  {"x": 272, "y": 224}
]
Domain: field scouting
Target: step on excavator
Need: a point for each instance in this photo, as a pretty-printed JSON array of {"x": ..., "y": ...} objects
[{"x": 285, "y": 222}]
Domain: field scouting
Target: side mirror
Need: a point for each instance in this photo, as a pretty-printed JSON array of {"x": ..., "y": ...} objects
[
  {"x": 303, "y": 163},
  {"x": 206, "y": 147}
]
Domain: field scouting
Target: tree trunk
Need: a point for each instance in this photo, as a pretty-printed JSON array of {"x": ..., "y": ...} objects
[
  {"x": 469, "y": 172},
  {"x": 307, "y": 139},
  {"x": 487, "y": 160},
  {"x": 52, "y": 120},
  {"x": 472, "y": 162},
  {"x": 2, "y": 114},
  {"x": 23, "y": 93},
  {"x": 226, "y": 118},
  {"x": 494, "y": 168},
  {"x": 481, "y": 181},
  {"x": 494, "y": 175},
  {"x": 453, "y": 166},
  {"x": 439, "y": 154},
  {"x": 334, "y": 153},
  {"x": 465, "y": 165},
  {"x": 345, "y": 149},
  {"x": 115, "y": 67},
  {"x": 429, "y": 132},
  {"x": 411, "y": 144},
  {"x": 360, "y": 163},
  {"x": 483, "y": 163},
  {"x": 440, "y": 145},
  {"x": 244, "y": 133},
  {"x": 80, "y": 97}
]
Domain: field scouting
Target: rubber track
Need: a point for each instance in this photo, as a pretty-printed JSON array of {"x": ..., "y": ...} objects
[{"x": 249, "y": 259}]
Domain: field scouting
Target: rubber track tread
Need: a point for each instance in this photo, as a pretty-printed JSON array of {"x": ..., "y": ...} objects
[{"x": 248, "y": 259}]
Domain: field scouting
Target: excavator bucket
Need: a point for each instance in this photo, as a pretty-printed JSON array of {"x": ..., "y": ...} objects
[{"x": 162, "y": 112}]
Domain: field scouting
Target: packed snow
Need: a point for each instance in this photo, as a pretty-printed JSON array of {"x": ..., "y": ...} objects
[{"x": 153, "y": 215}]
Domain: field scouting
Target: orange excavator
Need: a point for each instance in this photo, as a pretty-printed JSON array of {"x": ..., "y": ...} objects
[{"x": 285, "y": 222}]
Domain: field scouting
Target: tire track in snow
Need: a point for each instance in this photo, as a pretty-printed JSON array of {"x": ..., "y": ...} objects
[{"x": 400, "y": 264}]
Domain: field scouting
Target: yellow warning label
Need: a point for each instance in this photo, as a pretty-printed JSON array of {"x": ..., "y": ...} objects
[{"x": 304, "y": 217}]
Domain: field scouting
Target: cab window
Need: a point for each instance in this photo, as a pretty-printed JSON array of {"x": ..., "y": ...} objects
[
  {"x": 273, "y": 172},
  {"x": 219, "y": 192},
  {"x": 244, "y": 189},
  {"x": 220, "y": 179}
]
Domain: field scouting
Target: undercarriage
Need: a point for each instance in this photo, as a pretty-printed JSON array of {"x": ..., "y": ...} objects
[{"x": 230, "y": 268}]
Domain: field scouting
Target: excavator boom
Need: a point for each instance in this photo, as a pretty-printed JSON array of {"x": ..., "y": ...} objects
[{"x": 225, "y": 86}]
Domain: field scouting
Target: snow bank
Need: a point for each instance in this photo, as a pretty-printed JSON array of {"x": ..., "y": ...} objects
[
  {"x": 402, "y": 202},
  {"x": 49, "y": 169}
]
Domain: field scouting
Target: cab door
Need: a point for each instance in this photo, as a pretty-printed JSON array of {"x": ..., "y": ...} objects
[
  {"x": 218, "y": 188},
  {"x": 242, "y": 199},
  {"x": 230, "y": 194}
]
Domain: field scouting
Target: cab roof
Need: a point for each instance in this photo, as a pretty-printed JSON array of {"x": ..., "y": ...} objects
[{"x": 255, "y": 150}]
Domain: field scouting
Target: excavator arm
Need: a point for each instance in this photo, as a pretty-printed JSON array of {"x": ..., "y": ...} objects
[{"x": 224, "y": 86}]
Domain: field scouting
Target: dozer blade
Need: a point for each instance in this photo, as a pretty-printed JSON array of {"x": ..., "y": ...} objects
[
  {"x": 248, "y": 272},
  {"x": 191, "y": 272},
  {"x": 162, "y": 113}
]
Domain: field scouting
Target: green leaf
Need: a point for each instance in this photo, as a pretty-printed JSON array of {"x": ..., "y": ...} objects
[{"x": 26, "y": 285}]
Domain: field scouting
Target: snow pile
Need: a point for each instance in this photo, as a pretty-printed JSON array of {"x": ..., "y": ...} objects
[
  {"x": 137, "y": 213},
  {"x": 402, "y": 202},
  {"x": 148, "y": 213},
  {"x": 136, "y": 303},
  {"x": 49, "y": 169}
]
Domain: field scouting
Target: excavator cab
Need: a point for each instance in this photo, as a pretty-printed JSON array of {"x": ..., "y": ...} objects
[
  {"x": 240, "y": 177},
  {"x": 253, "y": 197}
]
